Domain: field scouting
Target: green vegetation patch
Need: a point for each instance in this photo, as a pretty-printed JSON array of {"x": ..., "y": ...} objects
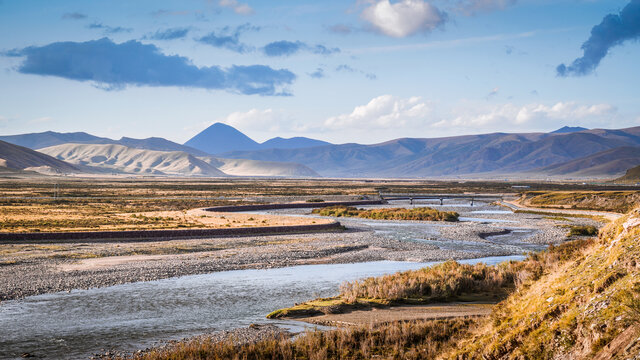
[
  {"x": 419, "y": 213},
  {"x": 583, "y": 230}
]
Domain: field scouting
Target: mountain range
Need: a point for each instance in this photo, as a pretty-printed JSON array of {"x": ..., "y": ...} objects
[
  {"x": 470, "y": 155},
  {"x": 221, "y": 138},
  {"x": 14, "y": 158},
  {"x": 115, "y": 158},
  {"x": 569, "y": 152}
]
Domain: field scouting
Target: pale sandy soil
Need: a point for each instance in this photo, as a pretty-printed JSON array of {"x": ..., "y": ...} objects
[
  {"x": 107, "y": 262},
  {"x": 401, "y": 313},
  {"x": 209, "y": 219}
]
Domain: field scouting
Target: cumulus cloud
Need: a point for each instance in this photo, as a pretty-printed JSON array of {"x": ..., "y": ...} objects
[
  {"x": 237, "y": 7},
  {"x": 265, "y": 120},
  {"x": 229, "y": 38},
  {"x": 169, "y": 34},
  {"x": 109, "y": 29},
  {"x": 403, "y": 18},
  {"x": 614, "y": 30},
  {"x": 287, "y": 48},
  {"x": 530, "y": 116},
  {"x": 115, "y": 66},
  {"x": 74, "y": 16},
  {"x": 382, "y": 112}
]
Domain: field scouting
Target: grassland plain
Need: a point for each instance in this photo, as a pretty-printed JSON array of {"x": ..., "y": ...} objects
[
  {"x": 69, "y": 204},
  {"x": 579, "y": 300}
]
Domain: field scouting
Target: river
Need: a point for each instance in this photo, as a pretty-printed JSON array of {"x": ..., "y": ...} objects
[{"x": 80, "y": 323}]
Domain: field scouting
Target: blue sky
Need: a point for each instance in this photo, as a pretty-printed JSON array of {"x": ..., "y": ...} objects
[{"x": 343, "y": 71}]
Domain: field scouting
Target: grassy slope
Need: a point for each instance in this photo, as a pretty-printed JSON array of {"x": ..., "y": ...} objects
[{"x": 574, "y": 310}]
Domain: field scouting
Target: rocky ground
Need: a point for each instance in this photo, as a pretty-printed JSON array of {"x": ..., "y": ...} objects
[{"x": 27, "y": 270}]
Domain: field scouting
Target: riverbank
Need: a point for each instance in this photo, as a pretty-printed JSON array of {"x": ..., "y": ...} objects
[
  {"x": 377, "y": 316},
  {"x": 27, "y": 270}
]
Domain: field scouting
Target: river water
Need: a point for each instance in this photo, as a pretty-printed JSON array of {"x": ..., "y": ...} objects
[{"x": 138, "y": 315}]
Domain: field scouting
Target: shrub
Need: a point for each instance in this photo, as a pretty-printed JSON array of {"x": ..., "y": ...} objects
[{"x": 420, "y": 213}]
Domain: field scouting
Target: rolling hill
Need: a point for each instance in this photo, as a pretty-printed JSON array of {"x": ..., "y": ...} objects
[
  {"x": 16, "y": 158},
  {"x": 244, "y": 167},
  {"x": 36, "y": 141},
  {"x": 122, "y": 159},
  {"x": 613, "y": 162},
  {"x": 486, "y": 155},
  {"x": 115, "y": 158},
  {"x": 631, "y": 176},
  {"x": 292, "y": 143}
]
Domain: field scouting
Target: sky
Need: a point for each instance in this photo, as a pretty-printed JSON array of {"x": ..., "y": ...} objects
[{"x": 363, "y": 71}]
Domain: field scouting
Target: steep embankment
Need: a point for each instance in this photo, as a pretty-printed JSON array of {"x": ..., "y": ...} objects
[{"x": 587, "y": 307}]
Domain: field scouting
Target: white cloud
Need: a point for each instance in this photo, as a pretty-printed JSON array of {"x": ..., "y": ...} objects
[
  {"x": 403, "y": 18},
  {"x": 238, "y": 7},
  {"x": 264, "y": 121},
  {"x": 531, "y": 116},
  {"x": 384, "y": 111}
]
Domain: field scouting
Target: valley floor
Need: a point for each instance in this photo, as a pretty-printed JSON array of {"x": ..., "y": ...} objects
[{"x": 31, "y": 269}]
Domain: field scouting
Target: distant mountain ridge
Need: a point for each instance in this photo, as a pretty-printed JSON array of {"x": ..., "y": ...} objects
[
  {"x": 566, "y": 152},
  {"x": 116, "y": 158},
  {"x": 37, "y": 141},
  {"x": 497, "y": 153},
  {"x": 15, "y": 158},
  {"x": 611, "y": 162},
  {"x": 220, "y": 138},
  {"x": 568, "y": 129}
]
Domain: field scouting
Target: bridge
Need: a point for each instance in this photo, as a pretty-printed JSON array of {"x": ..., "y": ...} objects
[{"x": 441, "y": 197}]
